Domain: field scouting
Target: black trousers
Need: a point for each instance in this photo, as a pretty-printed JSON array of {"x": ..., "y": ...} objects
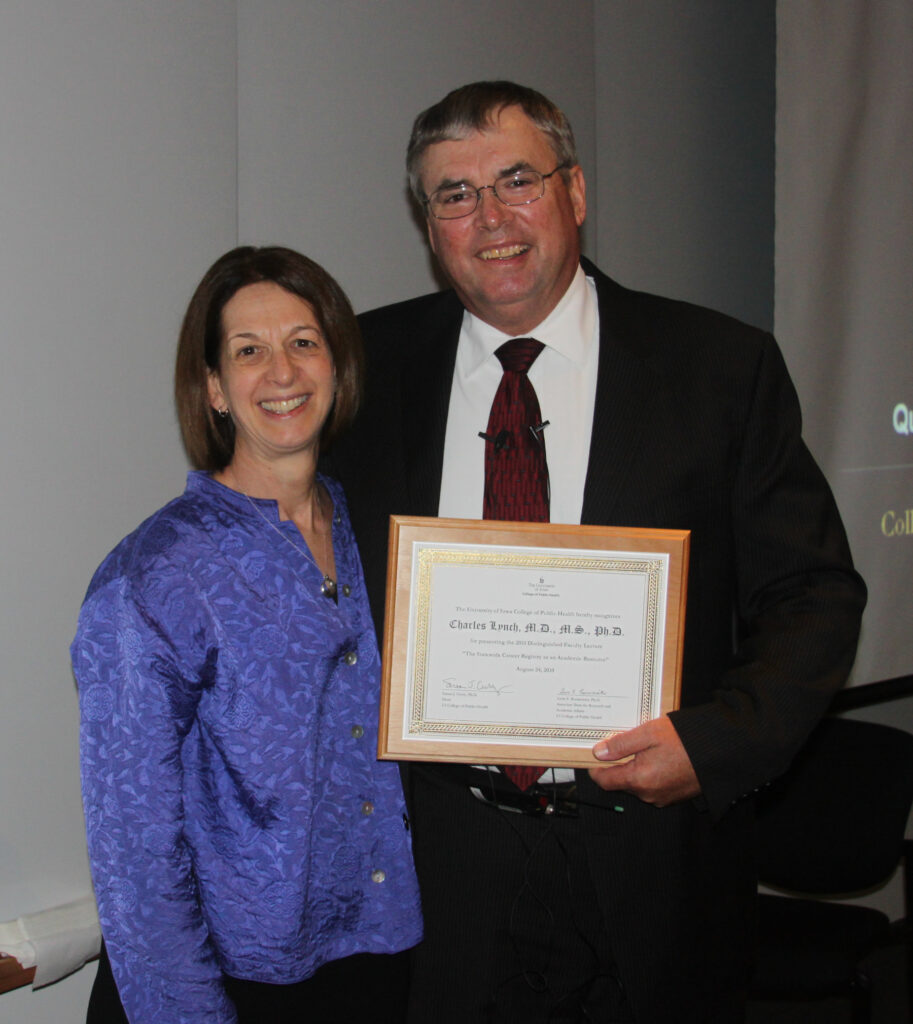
[
  {"x": 361, "y": 987},
  {"x": 512, "y": 929}
]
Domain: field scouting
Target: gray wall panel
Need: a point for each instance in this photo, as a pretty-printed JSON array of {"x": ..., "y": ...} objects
[
  {"x": 117, "y": 178},
  {"x": 328, "y": 91},
  {"x": 685, "y": 115}
]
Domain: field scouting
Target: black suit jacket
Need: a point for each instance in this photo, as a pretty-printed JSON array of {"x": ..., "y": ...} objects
[{"x": 697, "y": 427}]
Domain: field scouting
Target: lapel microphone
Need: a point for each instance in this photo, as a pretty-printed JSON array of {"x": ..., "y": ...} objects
[{"x": 499, "y": 440}]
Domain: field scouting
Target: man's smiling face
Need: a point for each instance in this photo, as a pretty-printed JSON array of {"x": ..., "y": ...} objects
[{"x": 510, "y": 265}]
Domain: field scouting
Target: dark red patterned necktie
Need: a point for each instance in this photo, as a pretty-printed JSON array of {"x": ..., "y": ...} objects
[{"x": 516, "y": 474}]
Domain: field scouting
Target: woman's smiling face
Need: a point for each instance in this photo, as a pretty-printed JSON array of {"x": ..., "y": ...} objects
[{"x": 275, "y": 374}]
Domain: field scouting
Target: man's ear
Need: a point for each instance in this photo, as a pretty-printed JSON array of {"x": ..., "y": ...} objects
[
  {"x": 576, "y": 187},
  {"x": 430, "y": 233}
]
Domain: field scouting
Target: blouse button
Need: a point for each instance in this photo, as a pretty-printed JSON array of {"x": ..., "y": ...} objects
[
  {"x": 357, "y": 732},
  {"x": 346, "y": 590},
  {"x": 367, "y": 808},
  {"x": 351, "y": 658},
  {"x": 377, "y": 875}
]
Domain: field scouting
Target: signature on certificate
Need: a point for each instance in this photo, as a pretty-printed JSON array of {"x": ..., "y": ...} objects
[{"x": 476, "y": 686}]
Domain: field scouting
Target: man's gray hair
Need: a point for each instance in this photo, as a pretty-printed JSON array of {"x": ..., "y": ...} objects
[{"x": 473, "y": 108}]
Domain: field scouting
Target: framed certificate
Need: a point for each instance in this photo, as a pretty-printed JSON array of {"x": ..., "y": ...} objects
[{"x": 525, "y": 643}]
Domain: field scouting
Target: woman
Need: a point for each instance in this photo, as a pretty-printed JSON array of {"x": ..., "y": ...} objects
[{"x": 242, "y": 835}]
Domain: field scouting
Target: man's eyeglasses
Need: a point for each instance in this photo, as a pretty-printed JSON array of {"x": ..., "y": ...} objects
[{"x": 518, "y": 189}]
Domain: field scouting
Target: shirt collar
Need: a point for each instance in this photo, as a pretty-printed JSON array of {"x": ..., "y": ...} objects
[
  {"x": 202, "y": 483},
  {"x": 569, "y": 329}
]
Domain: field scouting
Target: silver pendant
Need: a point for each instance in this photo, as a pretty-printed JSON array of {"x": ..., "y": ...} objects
[{"x": 328, "y": 587}]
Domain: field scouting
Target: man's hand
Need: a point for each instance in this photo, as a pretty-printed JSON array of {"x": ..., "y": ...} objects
[{"x": 658, "y": 770}]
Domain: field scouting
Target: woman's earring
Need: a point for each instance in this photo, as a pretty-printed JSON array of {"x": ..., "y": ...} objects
[{"x": 223, "y": 413}]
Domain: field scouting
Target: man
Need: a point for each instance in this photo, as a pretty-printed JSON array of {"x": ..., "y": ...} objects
[{"x": 635, "y": 901}]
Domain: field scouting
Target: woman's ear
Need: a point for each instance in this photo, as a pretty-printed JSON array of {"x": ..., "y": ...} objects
[{"x": 214, "y": 389}]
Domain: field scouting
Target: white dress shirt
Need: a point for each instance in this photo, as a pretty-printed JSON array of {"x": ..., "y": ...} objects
[{"x": 564, "y": 376}]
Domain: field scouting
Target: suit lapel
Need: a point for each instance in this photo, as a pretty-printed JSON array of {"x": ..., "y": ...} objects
[
  {"x": 425, "y": 400},
  {"x": 622, "y": 397}
]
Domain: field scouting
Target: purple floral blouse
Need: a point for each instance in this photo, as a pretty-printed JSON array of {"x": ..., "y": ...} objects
[{"x": 238, "y": 820}]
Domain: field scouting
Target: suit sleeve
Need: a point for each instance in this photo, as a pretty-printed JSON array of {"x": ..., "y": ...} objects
[{"x": 798, "y": 604}]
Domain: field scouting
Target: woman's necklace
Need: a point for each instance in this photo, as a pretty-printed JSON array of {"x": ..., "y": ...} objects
[{"x": 328, "y": 587}]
